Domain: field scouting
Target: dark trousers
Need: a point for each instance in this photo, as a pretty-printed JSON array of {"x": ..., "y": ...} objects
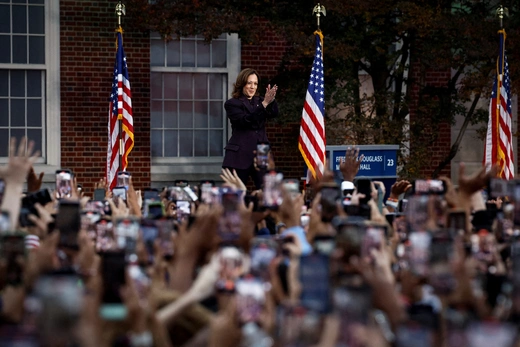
[{"x": 244, "y": 175}]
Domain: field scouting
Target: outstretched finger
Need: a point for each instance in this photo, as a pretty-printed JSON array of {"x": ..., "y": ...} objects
[
  {"x": 21, "y": 147},
  {"x": 30, "y": 149},
  {"x": 12, "y": 147}
]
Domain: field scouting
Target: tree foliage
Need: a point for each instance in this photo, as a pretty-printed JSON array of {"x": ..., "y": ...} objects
[{"x": 391, "y": 46}]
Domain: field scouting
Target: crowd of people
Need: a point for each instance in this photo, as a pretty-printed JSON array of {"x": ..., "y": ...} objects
[{"x": 431, "y": 263}]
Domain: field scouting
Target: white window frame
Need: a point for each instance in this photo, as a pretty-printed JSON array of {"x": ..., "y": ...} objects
[
  {"x": 51, "y": 93},
  {"x": 195, "y": 168}
]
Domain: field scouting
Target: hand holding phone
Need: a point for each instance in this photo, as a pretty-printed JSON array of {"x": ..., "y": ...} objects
[
  {"x": 113, "y": 274},
  {"x": 119, "y": 192},
  {"x": 123, "y": 179},
  {"x": 99, "y": 194},
  {"x": 250, "y": 298},
  {"x": 63, "y": 183},
  {"x": 230, "y": 222},
  {"x": 330, "y": 196},
  {"x": 262, "y": 155},
  {"x": 314, "y": 278},
  {"x": 183, "y": 210},
  {"x": 232, "y": 265},
  {"x": 205, "y": 191},
  {"x": 126, "y": 232},
  {"x": 364, "y": 186},
  {"x": 426, "y": 187},
  {"x": 68, "y": 222},
  {"x": 272, "y": 189}
]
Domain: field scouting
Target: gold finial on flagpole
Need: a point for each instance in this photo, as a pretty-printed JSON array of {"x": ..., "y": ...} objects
[
  {"x": 501, "y": 12},
  {"x": 120, "y": 11},
  {"x": 318, "y": 10}
]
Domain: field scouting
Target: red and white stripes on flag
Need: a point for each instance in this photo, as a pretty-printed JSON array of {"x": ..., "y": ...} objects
[
  {"x": 120, "y": 119},
  {"x": 499, "y": 138},
  {"x": 312, "y": 130}
]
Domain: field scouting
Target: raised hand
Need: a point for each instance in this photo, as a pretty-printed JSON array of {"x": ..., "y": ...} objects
[
  {"x": 20, "y": 162},
  {"x": 232, "y": 179},
  {"x": 349, "y": 167},
  {"x": 399, "y": 188},
  {"x": 34, "y": 182},
  {"x": 270, "y": 94},
  {"x": 468, "y": 185}
]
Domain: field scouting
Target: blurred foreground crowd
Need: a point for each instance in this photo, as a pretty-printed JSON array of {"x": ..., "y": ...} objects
[{"x": 345, "y": 263}]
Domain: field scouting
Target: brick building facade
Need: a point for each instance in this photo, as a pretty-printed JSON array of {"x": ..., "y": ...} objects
[
  {"x": 76, "y": 69},
  {"x": 86, "y": 64}
]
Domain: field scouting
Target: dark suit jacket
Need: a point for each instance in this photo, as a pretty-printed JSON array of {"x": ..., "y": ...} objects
[{"x": 247, "y": 119}]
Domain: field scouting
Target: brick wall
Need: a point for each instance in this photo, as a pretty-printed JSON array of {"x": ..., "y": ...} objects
[
  {"x": 87, "y": 56},
  {"x": 265, "y": 57},
  {"x": 439, "y": 149}
]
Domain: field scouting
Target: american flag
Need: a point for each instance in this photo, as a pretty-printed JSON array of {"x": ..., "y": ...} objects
[
  {"x": 499, "y": 138},
  {"x": 312, "y": 130},
  {"x": 120, "y": 109}
]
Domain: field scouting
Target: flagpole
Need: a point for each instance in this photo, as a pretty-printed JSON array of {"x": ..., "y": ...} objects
[
  {"x": 501, "y": 12},
  {"x": 120, "y": 11}
]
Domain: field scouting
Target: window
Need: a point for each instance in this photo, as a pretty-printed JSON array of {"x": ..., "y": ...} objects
[
  {"x": 187, "y": 117},
  {"x": 29, "y": 81},
  {"x": 189, "y": 82}
]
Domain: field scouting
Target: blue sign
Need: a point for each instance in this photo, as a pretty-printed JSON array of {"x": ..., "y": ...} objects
[{"x": 378, "y": 161}]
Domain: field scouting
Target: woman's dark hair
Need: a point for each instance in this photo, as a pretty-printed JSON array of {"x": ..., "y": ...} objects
[{"x": 241, "y": 81}]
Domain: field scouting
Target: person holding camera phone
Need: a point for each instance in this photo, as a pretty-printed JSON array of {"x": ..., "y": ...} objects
[{"x": 248, "y": 113}]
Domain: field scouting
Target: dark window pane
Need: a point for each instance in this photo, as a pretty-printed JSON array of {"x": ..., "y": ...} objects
[
  {"x": 170, "y": 143},
  {"x": 185, "y": 86},
  {"x": 186, "y": 143},
  {"x": 215, "y": 114},
  {"x": 200, "y": 114},
  {"x": 36, "y": 50},
  {"x": 36, "y": 1},
  {"x": 34, "y": 83},
  {"x": 5, "y": 19},
  {"x": 185, "y": 114},
  {"x": 173, "y": 53},
  {"x": 36, "y": 136},
  {"x": 156, "y": 121},
  {"x": 157, "y": 143},
  {"x": 170, "y": 85},
  {"x": 5, "y": 52},
  {"x": 201, "y": 143},
  {"x": 216, "y": 148},
  {"x": 4, "y": 142},
  {"x": 202, "y": 54},
  {"x": 215, "y": 86},
  {"x": 170, "y": 114},
  {"x": 19, "y": 49},
  {"x": 156, "y": 85},
  {"x": 157, "y": 53},
  {"x": 34, "y": 112},
  {"x": 17, "y": 112},
  {"x": 200, "y": 82},
  {"x": 4, "y": 82},
  {"x": 219, "y": 54},
  {"x": 4, "y": 112},
  {"x": 19, "y": 19},
  {"x": 36, "y": 20},
  {"x": 188, "y": 53},
  {"x": 17, "y": 83},
  {"x": 19, "y": 1}
]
